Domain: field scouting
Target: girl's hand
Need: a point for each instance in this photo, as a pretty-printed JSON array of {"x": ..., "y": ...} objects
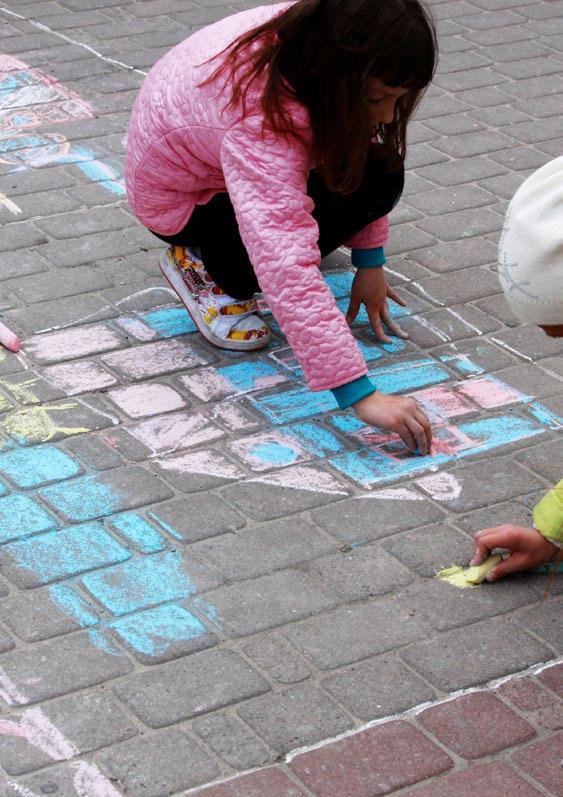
[
  {"x": 527, "y": 548},
  {"x": 371, "y": 289},
  {"x": 399, "y": 414}
]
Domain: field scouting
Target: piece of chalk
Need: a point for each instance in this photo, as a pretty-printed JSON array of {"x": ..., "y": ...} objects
[
  {"x": 477, "y": 574},
  {"x": 9, "y": 339}
]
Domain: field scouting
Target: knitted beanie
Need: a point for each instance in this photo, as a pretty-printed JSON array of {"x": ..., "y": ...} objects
[{"x": 531, "y": 247}]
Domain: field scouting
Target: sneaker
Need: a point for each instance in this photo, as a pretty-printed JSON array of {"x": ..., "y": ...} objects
[{"x": 226, "y": 322}]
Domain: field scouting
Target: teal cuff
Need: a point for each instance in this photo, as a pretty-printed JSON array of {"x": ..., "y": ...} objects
[
  {"x": 368, "y": 258},
  {"x": 348, "y": 394}
]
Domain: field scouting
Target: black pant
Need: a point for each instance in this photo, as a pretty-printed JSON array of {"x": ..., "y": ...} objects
[{"x": 213, "y": 227}]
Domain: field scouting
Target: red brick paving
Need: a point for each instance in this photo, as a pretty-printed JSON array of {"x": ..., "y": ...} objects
[
  {"x": 480, "y": 780},
  {"x": 270, "y": 782},
  {"x": 542, "y": 761},
  {"x": 553, "y": 677},
  {"x": 511, "y": 726},
  {"x": 476, "y": 725},
  {"x": 373, "y": 762}
]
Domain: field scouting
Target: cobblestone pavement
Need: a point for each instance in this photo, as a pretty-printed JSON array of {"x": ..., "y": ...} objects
[{"x": 205, "y": 566}]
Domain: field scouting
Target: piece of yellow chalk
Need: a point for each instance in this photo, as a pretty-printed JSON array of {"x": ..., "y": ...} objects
[{"x": 478, "y": 573}]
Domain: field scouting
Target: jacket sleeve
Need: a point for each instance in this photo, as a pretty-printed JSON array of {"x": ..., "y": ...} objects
[
  {"x": 548, "y": 514},
  {"x": 266, "y": 177},
  {"x": 374, "y": 235}
]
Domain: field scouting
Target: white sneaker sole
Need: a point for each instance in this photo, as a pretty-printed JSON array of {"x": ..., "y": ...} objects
[{"x": 177, "y": 284}]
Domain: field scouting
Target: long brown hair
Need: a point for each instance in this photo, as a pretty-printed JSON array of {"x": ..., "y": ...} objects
[{"x": 322, "y": 53}]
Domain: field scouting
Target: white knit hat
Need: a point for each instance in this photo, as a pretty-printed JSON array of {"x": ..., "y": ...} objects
[{"x": 531, "y": 247}]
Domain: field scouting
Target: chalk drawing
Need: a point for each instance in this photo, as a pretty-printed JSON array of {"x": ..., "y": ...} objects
[
  {"x": 118, "y": 573},
  {"x": 30, "y": 99},
  {"x": 35, "y": 728}
]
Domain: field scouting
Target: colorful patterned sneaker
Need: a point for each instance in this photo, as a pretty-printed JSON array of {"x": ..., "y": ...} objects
[{"x": 226, "y": 322}]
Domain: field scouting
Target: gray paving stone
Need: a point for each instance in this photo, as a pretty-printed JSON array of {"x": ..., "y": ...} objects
[
  {"x": 454, "y": 255},
  {"x": 6, "y": 641},
  {"x": 190, "y": 686},
  {"x": 193, "y": 519},
  {"x": 34, "y": 615},
  {"x": 262, "y": 549},
  {"x": 460, "y": 287},
  {"x": 544, "y": 620},
  {"x": 58, "y": 284},
  {"x": 378, "y": 688},
  {"x": 296, "y": 716},
  {"x": 456, "y": 172},
  {"x": 158, "y": 764},
  {"x": 21, "y": 234},
  {"x": 531, "y": 341},
  {"x": 431, "y": 329},
  {"x": 266, "y": 602},
  {"x": 447, "y": 200},
  {"x": 232, "y": 740},
  {"x": 353, "y": 633},
  {"x": 427, "y": 550},
  {"x": 446, "y": 607},
  {"x": 88, "y": 721},
  {"x": 269, "y": 501},
  {"x": 530, "y": 380},
  {"x": 488, "y": 482},
  {"x": 497, "y": 307},
  {"x": 462, "y": 224},
  {"x": 357, "y": 521},
  {"x": 64, "y": 665},
  {"x": 98, "y": 495},
  {"x": 46, "y": 316},
  {"x": 544, "y": 459},
  {"x": 29, "y": 388},
  {"x": 94, "y": 452},
  {"x": 277, "y": 659},
  {"x": 475, "y": 654},
  {"x": 362, "y": 573}
]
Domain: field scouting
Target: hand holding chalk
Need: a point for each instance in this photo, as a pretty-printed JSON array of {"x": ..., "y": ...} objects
[
  {"x": 8, "y": 339},
  {"x": 526, "y": 548}
]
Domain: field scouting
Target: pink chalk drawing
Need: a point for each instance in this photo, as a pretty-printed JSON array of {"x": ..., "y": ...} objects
[
  {"x": 30, "y": 99},
  {"x": 35, "y": 728}
]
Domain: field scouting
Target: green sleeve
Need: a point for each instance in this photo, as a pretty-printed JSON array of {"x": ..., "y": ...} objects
[{"x": 548, "y": 514}]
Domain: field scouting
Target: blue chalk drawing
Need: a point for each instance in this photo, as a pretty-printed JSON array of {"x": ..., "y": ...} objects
[
  {"x": 293, "y": 405},
  {"x": 408, "y": 375},
  {"x": 497, "y": 431},
  {"x": 3, "y": 489},
  {"x": 154, "y": 631},
  {"x": 545, "y": 416},
  {"x": 315, "y": 439},
  {"x": 245, "y": 377},
  {"x": 20, "y": 516},
  {"x": 61, "y": 554},
  {"x": 38, "y": 465},
  {"x": 84, "y": 498},
  {"x": 141, "y": 583},
  {"x": 138, "y": 532},
  {"x": 169, "y": 322},
  {"x": 166, "y": 526},
  {"x": 73, "y": 605},
  {"x": 274, "y": 453}
]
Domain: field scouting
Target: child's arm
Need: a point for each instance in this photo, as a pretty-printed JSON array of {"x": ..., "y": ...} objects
[{"x": 527, "y": 547}]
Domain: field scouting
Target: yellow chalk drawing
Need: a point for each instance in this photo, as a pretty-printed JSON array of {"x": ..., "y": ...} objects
[
  {"x": 37, "y": 426},
  {"x": 462, "y": 578},
  {"x": 22, "y": 392}
]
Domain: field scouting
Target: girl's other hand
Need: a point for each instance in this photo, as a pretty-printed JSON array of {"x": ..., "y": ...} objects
[
  {"x": 399, "y": 414},
  {"x": 370, "y": 288},
  {"x": 527, "y": 548}
]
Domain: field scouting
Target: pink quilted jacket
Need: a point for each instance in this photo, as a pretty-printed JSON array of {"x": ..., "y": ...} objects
[{"x": 183, "y": 147}]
